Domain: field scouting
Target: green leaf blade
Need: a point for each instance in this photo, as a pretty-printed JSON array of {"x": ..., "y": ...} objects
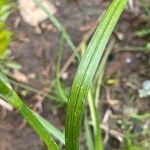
[
  {"x": 38, "y": 127},
  {"x": 51, "y": 129},
  {"x": 86, "y": 72},
  {"x": 7, "y": 93}
]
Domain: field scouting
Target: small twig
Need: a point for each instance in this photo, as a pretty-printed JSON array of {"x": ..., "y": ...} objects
[
  {"x": 106, "y": 124},
  {"x": 131, "y": 4},
  {"x": 113, "y": 133}
]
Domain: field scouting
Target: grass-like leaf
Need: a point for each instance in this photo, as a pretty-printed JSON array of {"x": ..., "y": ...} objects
[
  {"x": 88, "y": 134},
  {"x": 142, "y": 33},
  {"x": 60, "y": 91},
  {"x": 86, "y": 72},
  {"x": 98, "y": 141},
  {"x": 7, "y": 93},
  {"x": 51, "y": 129}
]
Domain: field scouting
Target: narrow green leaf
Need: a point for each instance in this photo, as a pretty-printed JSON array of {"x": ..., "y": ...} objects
[
  {"x": 143, "y": 32},
  {"x": 60, "y": 91},
  {"x": 98, "y": 141},
  {"x": 88, "y": 134},
  {"x": 7, "y": 93},
  {"x": 101, "y": 71},
  {"x": 38, "y": 127},
  {"x": 12, "y": 65},
  {"x": 51, "y": 129},
  {"x": 140, "y": 116},
  {"x": 86, "y": 72},
  {"x": 93, "y": 104}
]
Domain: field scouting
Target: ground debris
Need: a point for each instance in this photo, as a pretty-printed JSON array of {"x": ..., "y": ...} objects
[{"x": 32, "y": 14}]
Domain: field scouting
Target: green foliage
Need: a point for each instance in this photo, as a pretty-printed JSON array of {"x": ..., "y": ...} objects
[
  {"x": 88, "y": 134},
  {"x": 51, "y": 129},
  {"x": 142, "y": 33},
  {"x": 86, "y": 71},
  {"x": 7, "y": 93},
  {"x": 59, "y": 89},
  {"x": 80, "y": 87}
]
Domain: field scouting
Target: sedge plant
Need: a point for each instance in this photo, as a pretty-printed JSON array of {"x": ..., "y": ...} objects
[{"x": 92, "y": 58}]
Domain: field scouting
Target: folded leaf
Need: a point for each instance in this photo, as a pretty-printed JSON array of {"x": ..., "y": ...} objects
[{"x": 86, "y": 71}]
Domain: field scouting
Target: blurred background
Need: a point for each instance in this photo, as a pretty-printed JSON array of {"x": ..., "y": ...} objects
[{"x": 32, "y": 63}]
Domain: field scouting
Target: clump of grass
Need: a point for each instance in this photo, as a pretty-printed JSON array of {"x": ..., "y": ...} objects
[{"x": 87, "y": 69}]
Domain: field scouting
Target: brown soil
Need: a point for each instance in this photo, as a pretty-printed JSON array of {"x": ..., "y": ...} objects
[{"x": 37, "y": 55}]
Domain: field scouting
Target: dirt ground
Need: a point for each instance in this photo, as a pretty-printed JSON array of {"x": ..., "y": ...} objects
[{"x": 37, "y": 55}]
